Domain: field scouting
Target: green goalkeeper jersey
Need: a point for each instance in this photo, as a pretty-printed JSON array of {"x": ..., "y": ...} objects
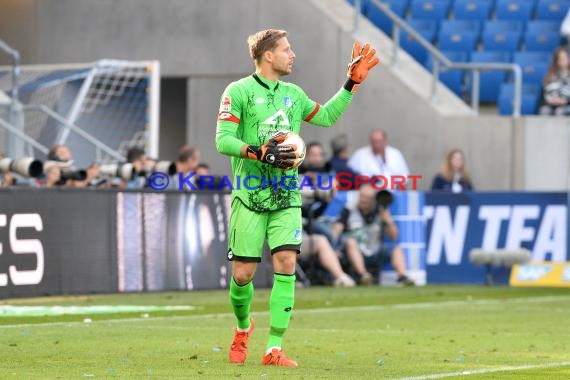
[{"x": 251, "y": 110}]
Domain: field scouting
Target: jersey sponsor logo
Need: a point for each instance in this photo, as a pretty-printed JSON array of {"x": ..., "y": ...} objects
[
  {"x": 287, "y": 101},
  {"x": 226, "y": 105},
  {"x": 260, "y": 100},
  {"x": 278, "y": 118},
  {"x": 226, "y": 116}
]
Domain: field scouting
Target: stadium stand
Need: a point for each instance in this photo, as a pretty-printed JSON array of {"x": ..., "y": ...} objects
[{"x": 525, "y": 32}]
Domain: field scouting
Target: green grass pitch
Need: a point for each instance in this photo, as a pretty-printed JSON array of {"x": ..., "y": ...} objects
[{"x": 359, "y": 333}]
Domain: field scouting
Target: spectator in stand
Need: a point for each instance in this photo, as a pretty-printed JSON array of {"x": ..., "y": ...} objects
[
  {"x": 339, "y": 161},
  {"x": 53, "y": 176},
  {"x": 7, "y": 180},
  {"x": 363, "y": 227},
  {"x": 315, "y": 244},
  {"x": 60, "y": 156},
  {"x": 137, "y": 157},
  {"x": 453, "y": 175},
  {"x": 379, "y": 158},
  {"x": 556, "y": 85},
  {"x": 318, "y": 187},
  {"x": 186, "y": 163}
]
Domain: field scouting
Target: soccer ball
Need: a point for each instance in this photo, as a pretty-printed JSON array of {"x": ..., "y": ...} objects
[{"x": 296, "y": 140}]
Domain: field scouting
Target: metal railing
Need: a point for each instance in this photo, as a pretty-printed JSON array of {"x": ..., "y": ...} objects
[
  {"x": 15, "y": 68},
  {"x": 441, "y": 62},
  {"x": 99, "y": 146}
]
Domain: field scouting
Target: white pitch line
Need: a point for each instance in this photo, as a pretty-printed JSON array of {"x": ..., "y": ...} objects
[
  {"x": 340, "y": 309},
  {"x": 487, "y": 370}
]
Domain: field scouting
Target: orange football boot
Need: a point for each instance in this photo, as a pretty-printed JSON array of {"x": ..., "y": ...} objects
[
  {"x": 238, "y": 350},
  {"x": 277, "y": 357}
]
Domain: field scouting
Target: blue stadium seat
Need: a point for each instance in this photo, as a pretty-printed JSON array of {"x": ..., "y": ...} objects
[
  {"x": 501, "y": 41},
  {"x": 430, "y": 9},
  {"x": 552, "y": 9},
  {"x": 460, "y": 26},
  {"x": 428, "y": 30},
  {"x": 472, "y": 9},
  {"x": 542, "y": 41},
  {"x": 365, "y": 4},
  {"x": 490, "y": 81},
  {"x": 533, "y": 64},
  {"x": 532, "y": 57},
  {"x": 458, "y": 41},
  {"x": 530, "y": 97},
  {"x": 521, "y": 10},
  {"x": 453, "y": 79},
  {"x": 379, "y": 18},
  {"x": 538, "y": 26},
  {"x": 497, "y": 26}
]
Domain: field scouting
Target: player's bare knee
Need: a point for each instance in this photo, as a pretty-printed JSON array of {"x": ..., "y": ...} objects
[
  {"x": 285, "y": 262},
  {"x": 243, "y": 272}
]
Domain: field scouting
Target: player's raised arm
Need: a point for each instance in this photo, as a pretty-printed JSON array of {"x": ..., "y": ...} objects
[{"x": 362, "y": 60}]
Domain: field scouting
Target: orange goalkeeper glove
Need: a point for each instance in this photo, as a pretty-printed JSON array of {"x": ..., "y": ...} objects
[{"x": 362, "y": 60}]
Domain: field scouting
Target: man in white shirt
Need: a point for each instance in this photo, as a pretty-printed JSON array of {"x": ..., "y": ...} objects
[{"x": 379, "y": 158}]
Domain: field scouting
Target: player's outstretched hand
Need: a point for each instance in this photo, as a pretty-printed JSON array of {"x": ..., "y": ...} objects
[
  {"x": 363, "y": 60},
  {"x": 274, "y": 154}
]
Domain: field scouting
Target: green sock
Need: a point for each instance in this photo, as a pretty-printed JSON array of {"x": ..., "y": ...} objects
[
  {"x": 240, "y": 298},
  {"x": 281, "y": 305}
]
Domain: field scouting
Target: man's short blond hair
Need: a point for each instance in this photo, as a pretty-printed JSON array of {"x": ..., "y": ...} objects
[{"x": 262, "y": 41}]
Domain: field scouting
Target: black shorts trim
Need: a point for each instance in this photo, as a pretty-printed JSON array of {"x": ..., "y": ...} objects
[
  {"x": 245, "y": 259},
  {"x": 287, "y": 247}
]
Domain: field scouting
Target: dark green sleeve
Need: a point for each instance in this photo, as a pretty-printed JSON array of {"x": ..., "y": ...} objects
[
  {"x": 327, "y": 114},
  {"x": 229, "y": 117}
]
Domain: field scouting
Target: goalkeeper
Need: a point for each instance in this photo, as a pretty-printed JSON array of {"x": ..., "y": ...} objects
[{"x": 253, "y": 112}]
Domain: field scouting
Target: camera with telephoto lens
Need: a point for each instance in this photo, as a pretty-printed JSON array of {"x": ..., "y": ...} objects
[
  {"x": 167, "y": 167},
  {"x": 384, "y": 198},
  {"x": 125, "y": 171},
  {"x": 67, "y": 171},
  {"x": 26, "y": 167}
]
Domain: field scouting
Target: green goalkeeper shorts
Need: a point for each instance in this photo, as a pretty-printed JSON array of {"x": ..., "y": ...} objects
[{"x": 249, "y": 229}]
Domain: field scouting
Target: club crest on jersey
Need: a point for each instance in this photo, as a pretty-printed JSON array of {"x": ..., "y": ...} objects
[
  {"x": 226, "y": 105},
  {"x": 278, "y": 118},
  {"x": 287, "y": 101},
  {"x": 298, "y": 234}
]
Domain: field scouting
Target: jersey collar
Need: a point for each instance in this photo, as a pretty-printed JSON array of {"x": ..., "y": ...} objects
[{"x": 265, "y": 83}]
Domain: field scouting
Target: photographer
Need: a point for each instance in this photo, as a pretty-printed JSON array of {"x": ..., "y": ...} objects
[
  {"x": 364, "y": 226},
  {"x": 321, "y": 190},
  {"x": 59, "y": 158},
  {"x": 137, "y": 157}
]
